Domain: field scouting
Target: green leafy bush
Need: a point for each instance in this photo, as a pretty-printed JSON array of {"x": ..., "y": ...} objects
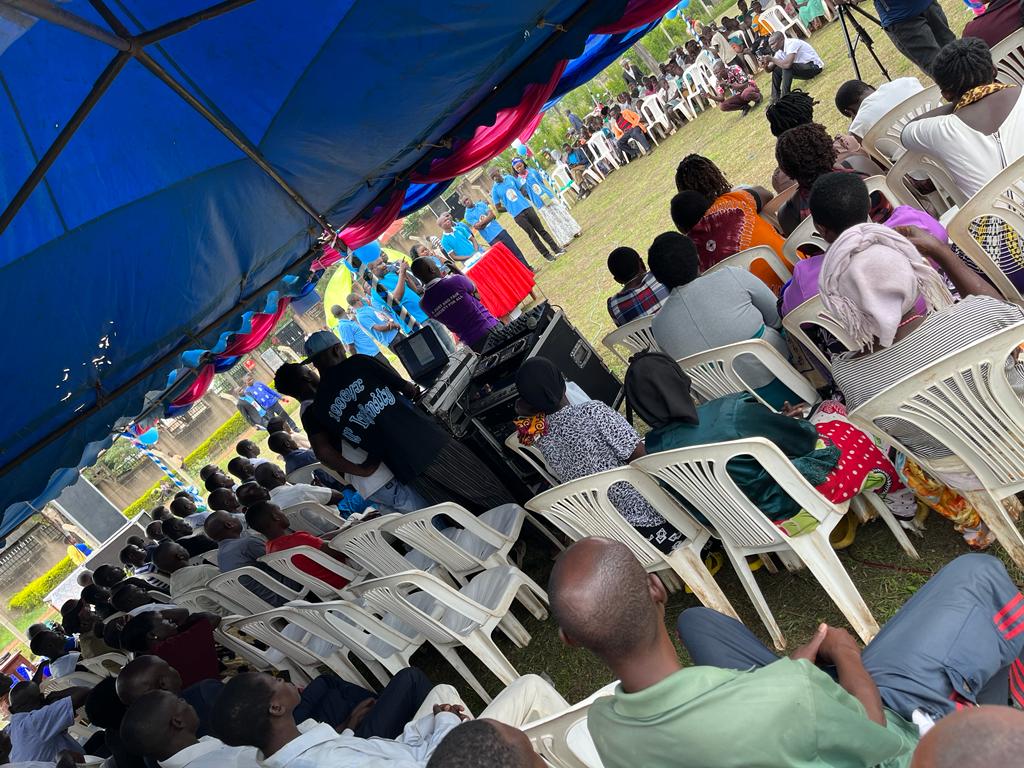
[
  {"x": 226, "y": 434},
  {"x": 35, "y": 591},
  {"x": 148, "y": 500}
]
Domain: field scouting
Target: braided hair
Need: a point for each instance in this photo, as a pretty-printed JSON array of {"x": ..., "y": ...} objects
[
  {"x": 697, "y": 173},
  {"x": 962, "y": 65},
  {"x": 793, "y": 109},
  {"x": 805, "y": 152}
]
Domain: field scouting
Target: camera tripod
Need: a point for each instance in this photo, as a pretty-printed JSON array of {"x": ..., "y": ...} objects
[{"x": 845, "y": 16}]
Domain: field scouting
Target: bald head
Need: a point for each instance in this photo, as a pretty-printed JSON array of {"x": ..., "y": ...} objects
[
  {"x": 980, "y": 737},
  {"x": 602, "y": 599},
  {"x": 222, "y": 525},
  {"x": 145, "y": 674}
]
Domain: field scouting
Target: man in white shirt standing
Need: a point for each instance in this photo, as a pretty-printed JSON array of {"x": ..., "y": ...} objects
[
  {"x": 791, "y": 58},
  {"x": 865, "y": 105}
]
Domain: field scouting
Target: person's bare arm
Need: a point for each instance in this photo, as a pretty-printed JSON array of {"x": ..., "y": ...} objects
[
  {"x": 331, "y": 457},
  {"x": 840, "y": 649},
  {"x": 399, "y": 291},
  {"x": 639, "y": 451},
  {"x": 785, "y": 62},
  {"x": 967, "y": 281}
]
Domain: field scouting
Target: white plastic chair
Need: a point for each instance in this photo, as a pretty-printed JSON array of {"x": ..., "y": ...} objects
[
  {"x": 366, "y": 544},
  {"x": 651, "y": 111},
  {"x": 804, "y": 234},
  {"x": 776, "y": 18},
  {"x": 745, "y": 258},
  {"x": 284, "y": 563},
  {"x": 471, "y": 545},
  {"x": 563, "y": 740},
  {"x": 1003, "y": 198},
  {"x": 314, "y": 518},
  {"x": 106, "y": 664},
  {"x": 304, "y": 474},
  {"x": 882, "y": 141},
  {"x": 634, "y": 337},
  {"x": 982, "y": 425},
  {"x": 714, "y": 372},
  {"x": 532, "y": 456},
  {"x": 581, "y": 508},
  {"x": 812, "y": 312},
  {"x": 602, "y": 149},
  {"x": 947, "y": 194},
  {"x": 1008, "y": 56},
  {"x": 698, "y": 474},
  {"x": 563, "y": 183},
  {"x": 250, "y": 642},
  {"x": 696, "y": 84},
  {"x": 73, "y": 679},
  {"x": 230, "y": 587},
  {"x": 468, "y": 618}
]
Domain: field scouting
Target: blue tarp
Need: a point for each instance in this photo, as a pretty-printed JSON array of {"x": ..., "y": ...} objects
[{"x": 151, "y": 231}]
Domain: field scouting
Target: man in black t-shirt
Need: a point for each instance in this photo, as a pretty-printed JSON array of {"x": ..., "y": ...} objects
[{"x": 365, "y": 403}]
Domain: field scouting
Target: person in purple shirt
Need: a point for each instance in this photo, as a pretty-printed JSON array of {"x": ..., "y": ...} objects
[{"x": 454, "y": 302}]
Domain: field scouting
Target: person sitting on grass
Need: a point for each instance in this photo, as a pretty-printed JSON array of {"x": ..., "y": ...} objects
[
  {"x": 791, "y": 58},
  {"x": 708, "y": 311},
  {"x": 268, "y": 519},
  {"x": 182, "y": 639},
  {"x": 720, "y": 220},
  {"x": 285, "y": 495},
  {"x": 257, "y": 710},
  {"x": 641, "y": 294},
  {"x": 941, "y": 652},
  {"x": 830, "y": 453},
  {"x": 736, "y": 90}
]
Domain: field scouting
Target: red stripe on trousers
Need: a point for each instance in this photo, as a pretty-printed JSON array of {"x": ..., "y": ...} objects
[{"x": 1007, "y": 608}]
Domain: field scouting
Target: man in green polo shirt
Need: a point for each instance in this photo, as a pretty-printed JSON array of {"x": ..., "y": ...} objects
[{"x": 746, "y": 707}]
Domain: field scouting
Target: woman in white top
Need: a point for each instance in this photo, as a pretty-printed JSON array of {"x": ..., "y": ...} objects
[{"x": 975, "y": 136}]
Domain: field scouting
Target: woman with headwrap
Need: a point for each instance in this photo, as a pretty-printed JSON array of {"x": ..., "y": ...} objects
[
  {"x": 556, "y": 216},
  {"x": 871, "y": 280},
  {"x": 834, "y": 456},
  {"x": 583, "y": 439}
]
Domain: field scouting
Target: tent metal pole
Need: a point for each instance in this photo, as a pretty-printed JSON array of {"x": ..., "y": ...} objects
[
  {"x": 232, "y": 135},
  {"x": 70, "y": 127},
  {"x": 179, "y": 25},
  {"x": 85, "y": 413},
  {"x": 41, "y": 9}
]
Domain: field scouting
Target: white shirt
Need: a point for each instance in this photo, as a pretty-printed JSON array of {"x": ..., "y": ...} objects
[
  {"x": 885, "y": 98},
  {"x": 972, "y": 158},
  {"x": 196, "y": 519},
  {"x": 191, "y": 577},
  {"x": 211, "y": 753},
  {"x": 365, "y": 486},
  {"x": 320, "y": 746},
  {"x": 65, "y": 665},
  {"x": 803, "y": 53}
]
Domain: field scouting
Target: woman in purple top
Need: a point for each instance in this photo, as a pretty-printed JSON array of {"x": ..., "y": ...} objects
[{"x": 454, "y": 302}]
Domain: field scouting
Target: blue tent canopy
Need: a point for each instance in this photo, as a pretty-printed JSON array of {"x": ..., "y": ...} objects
[{"x": 166, "y": 164}]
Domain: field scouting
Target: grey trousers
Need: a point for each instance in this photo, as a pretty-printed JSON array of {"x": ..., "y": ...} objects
[
  {"x": 957, "y": 641},
  {"x": 921, "y": 37}
]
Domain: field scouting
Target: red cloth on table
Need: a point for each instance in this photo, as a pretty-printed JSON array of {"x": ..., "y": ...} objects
[
  {"x": 501, "y": 279},
  {"x": 192, "y": 652}
]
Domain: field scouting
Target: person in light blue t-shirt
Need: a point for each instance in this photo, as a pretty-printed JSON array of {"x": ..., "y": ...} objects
[
  {"x": 374, "y": 323},
  {"x": 505, "y": 194},
  {"x": 355, "y": 340},
  {"x": 458, "y": 239},
  {"x": 481, "y": 218}
]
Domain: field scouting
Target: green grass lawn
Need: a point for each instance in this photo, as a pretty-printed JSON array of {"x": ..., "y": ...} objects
[{"x": 631, "y": 208}]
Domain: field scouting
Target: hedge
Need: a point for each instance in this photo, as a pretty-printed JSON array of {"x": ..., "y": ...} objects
[
  {"x": 36, "y": 590},
  {"x": 148, "y": 500},
  {"x": 224, "y": 435}
]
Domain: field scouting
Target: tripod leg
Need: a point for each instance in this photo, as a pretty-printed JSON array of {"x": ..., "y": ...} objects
[{"x": 849, "y": 43}]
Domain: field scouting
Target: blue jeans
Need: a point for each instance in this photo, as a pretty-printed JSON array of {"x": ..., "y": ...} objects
[{"x": 397, "y": 497}]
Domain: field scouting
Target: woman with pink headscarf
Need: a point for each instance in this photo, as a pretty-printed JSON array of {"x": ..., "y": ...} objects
[{"x": 872, "y": 281}]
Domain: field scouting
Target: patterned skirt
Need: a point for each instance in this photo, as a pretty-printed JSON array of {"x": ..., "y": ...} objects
[{"x": 559, "y": 222}]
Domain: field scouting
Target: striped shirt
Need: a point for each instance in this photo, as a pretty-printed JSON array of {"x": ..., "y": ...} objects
[{"x": 941, "y": 333}]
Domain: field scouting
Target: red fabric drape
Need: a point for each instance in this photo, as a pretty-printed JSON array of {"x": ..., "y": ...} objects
[
  {"x": 197, "y": 388},
  {"x": 260, "y": 327},
  {"x": 638, "y": 13},
  {"x": 492, "y": 140},
  {"x": 363, "y": 231}
]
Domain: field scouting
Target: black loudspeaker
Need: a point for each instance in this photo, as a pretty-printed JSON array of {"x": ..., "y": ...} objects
[{"x": 579, "y": 362}]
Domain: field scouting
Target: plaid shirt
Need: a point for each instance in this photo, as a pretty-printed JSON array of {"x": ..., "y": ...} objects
[{"x": 631, "y": 303}]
